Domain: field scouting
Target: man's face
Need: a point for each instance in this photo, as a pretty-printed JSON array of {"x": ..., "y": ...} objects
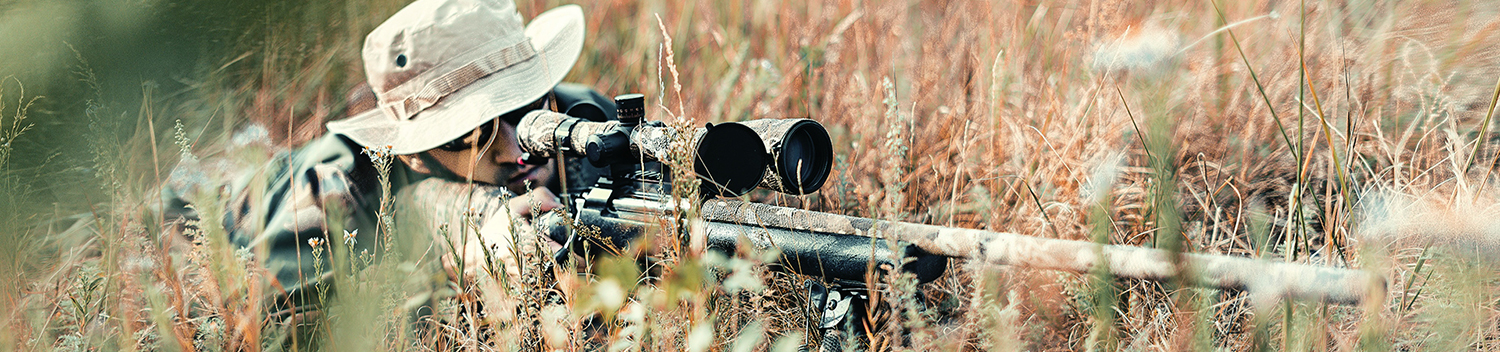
[{"x": 488, "y": 155}]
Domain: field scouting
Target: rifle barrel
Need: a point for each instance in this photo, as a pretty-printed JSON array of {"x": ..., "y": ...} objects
[{"x": 1264, "y": 279}]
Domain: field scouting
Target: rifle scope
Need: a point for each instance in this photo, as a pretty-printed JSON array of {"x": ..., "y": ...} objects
[
  {"x": 728, "y": 157},
  {"x": 731, "y": 158}
]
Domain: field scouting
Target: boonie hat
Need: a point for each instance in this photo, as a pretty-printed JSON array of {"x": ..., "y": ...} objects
[{"x": 441, "y": 68}]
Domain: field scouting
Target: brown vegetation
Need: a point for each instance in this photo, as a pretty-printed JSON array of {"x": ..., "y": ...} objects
[{"x": 1349, "y": 134}]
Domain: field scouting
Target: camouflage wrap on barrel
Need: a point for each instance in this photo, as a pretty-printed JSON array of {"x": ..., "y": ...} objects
[
  {"x": 832, "y": 256},
  {"x": 537, "y": 132},
  {"x": 1265, "y": 280}
]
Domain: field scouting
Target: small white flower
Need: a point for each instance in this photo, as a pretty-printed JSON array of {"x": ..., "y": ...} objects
[{"x": 349, "y": 237}]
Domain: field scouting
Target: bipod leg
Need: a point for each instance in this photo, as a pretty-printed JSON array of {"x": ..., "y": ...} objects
[{"x": 838, "y": 309}]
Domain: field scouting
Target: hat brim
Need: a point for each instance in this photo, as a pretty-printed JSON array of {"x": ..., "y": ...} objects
[{"x": 557, "y": 35}]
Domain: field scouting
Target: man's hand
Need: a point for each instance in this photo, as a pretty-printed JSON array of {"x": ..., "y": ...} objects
[{"x": 539, "y": 200}]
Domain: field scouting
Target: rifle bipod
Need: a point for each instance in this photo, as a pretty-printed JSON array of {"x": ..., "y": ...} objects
[{"x": 838, "y": 310}]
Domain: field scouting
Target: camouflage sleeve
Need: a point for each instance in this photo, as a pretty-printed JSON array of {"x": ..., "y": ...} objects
[{"x": 309, "y": 199}]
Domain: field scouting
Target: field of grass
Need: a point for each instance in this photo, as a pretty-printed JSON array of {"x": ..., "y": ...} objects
[{"x": 1348, "y": 134}]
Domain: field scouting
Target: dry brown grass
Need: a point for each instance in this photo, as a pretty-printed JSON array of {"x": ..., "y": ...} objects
[{"x": 1353, "y": 144}]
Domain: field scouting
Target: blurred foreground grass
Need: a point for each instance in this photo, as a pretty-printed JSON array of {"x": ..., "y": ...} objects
[{"x": 1351, "y": 134}]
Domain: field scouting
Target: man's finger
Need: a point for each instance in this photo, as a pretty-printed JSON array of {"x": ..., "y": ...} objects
[{"x": 542, "y": 199}]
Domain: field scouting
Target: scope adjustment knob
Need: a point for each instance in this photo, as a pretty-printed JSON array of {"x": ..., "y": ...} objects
[{"x": 607, "y": 148}]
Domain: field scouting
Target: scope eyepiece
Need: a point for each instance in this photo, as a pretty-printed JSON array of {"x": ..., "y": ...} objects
[{"x": 609, "y": 147}]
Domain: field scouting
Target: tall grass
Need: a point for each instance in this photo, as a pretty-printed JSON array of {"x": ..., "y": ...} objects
[{"x": 1350, "y": 134}]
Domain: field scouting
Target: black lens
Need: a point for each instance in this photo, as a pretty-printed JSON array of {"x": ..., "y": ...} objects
[
  {"x": 801, "y": 150},
  {"x": 730, "y": 160},
  {"x": 805, "y": 158}
]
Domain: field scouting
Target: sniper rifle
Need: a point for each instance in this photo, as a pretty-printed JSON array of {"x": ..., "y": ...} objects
[{"x": 633, "y": 197}]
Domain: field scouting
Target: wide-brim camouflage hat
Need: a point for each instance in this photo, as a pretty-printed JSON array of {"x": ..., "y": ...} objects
[{"x": 441, "y": 68}]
